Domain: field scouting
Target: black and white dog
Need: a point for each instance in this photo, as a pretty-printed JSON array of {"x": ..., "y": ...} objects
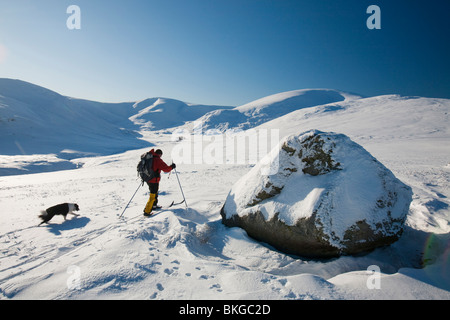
[{"x": 61, "y": 209}]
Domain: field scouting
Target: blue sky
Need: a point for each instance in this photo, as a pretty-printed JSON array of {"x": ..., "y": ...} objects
[{"x": 226, "y": 52}]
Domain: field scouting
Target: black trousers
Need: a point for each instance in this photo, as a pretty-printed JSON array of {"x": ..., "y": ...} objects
[{"x": 154, "y": 187}]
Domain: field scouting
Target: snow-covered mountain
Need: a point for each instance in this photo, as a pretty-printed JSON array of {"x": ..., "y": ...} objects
[
  {"x": 268, "y": 108},
  {"x": 35, "y": 120},
  {"x": 164, "y": 113},
  {"x": 186, "y": 252}
]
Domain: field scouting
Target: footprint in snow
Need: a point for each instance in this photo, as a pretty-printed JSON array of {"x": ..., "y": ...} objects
[
  {"x": 283, "y": 282},
  {"x": 168, "y": 271},
  {"x": 217, "y": 287}
]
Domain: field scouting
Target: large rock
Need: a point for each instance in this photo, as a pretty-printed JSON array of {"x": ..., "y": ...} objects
[{"x": 328, "y": 197}]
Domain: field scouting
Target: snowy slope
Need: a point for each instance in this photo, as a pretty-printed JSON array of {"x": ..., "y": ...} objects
[
  {"x": 188, "y": 254},
  {"x": 35, "y": 120},
  {"x": 271, "y": 107}
]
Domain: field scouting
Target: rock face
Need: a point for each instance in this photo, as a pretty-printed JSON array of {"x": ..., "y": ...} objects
[{"x": 328, "y": 197}]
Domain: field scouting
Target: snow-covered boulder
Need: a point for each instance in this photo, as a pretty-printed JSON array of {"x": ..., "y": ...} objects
[{"x": 328, "y": 197}]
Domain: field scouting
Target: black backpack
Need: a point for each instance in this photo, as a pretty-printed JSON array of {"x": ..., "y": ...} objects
[{"x": 144, "y": 167}]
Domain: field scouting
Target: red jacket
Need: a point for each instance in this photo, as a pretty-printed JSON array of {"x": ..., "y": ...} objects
[{"x": 158, "y": 165}]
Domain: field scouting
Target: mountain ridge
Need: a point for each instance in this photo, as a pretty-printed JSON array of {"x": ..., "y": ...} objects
[{"x": 38, "y": 121}]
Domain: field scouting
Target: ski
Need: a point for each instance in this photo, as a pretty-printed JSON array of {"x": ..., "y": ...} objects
[
  {"x": 158, "y": 210},
  {"x": 171, "y": 204},
  {"x": 174, "y": 204}
]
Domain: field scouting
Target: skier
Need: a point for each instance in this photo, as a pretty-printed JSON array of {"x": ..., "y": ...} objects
[{"x": 153, "y": 184}]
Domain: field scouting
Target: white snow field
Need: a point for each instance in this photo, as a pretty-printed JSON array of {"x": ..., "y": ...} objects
[{"x": 185, "y": 252}]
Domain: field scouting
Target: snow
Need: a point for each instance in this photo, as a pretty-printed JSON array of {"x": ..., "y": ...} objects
[{"x": 186, "y": 253}]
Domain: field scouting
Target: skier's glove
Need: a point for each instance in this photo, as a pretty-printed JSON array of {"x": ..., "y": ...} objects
[{"x": 173, "y": 165}]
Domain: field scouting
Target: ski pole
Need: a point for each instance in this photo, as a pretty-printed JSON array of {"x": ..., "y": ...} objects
[
  {"x": 140, "y": 184},
  {"x": 176, "y": 173},
  {"x": 170, "y": 172}
]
